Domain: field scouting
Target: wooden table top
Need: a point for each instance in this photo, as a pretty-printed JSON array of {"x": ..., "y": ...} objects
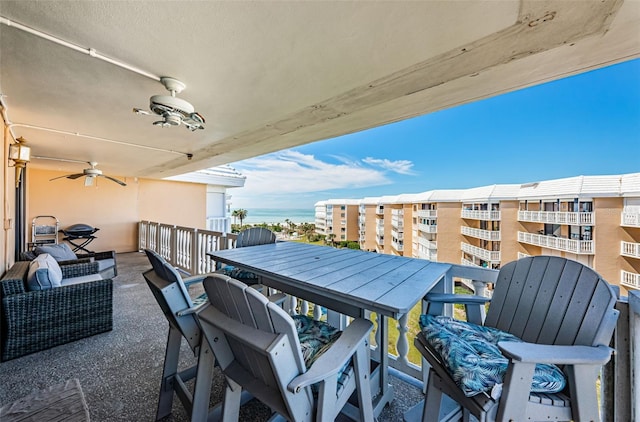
[{"x": 345, "y": 280}]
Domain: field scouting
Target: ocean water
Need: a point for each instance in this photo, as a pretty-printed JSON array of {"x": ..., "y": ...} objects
[{"x": 277, "y": 215}]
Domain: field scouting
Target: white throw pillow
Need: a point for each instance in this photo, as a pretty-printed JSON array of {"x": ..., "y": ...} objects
[{"x": 44, "y": 273}]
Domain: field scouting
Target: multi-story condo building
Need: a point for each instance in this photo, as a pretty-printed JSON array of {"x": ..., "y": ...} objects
[
  {"x": 338, "y": 219},
  {"x": 591, "y": 219}
]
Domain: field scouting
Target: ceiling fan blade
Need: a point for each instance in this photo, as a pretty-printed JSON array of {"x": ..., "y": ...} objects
[
  {"x": 68, "y": 176},
  {"x": 121, "y": 183}
]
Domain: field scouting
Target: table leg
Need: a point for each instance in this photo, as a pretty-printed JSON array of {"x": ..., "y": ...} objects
[{"x": 381, "y": 389}]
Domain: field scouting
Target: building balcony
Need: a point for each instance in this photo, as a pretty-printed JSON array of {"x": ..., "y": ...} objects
[
  {"x": 469, "y": 263},
  {"x": 397, "y": 234},
  {"x": 397, "y": 223},
  {"x": 114, "y": 356},
  {"x": 426, "y": 214},
  {"x": 428, "y": 228},
  {"x": 630, "y": 249},
  {"x": 581, "y": 247},
  {"x": 481, "y": 215},
  {"x": 397, "y": 213},
  {"x": 630, "y": 219},
  {"x": 492, "y": 235},
  {"x": 380, "y": 210},
  {"x": 428, "y": 244},
  {"x": 380, "y": 231},
  {"x": 428, "y": 255},
  {"x": 397, "y": 245},
  {"x": 558, "y": 217},
  {"x": 484, "y": 254},
  {"x": 380, "y": 241},
  {"x": 630, "y": 280}
]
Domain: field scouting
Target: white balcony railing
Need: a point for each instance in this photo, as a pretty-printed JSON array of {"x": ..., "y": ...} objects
[
  {"x": 481, "y": 215},
  {"x": 631, "y": 280},
  {"x": 630, "y": 219},
  {"x": 427, "y": 214},
  {"x": 582, "y": 247},
  {"x": 558, "y": 217},
  {"x": 397, "y": 234},
  {"x": 219, "y": 224},
  {"x": 428, "y": 228},
  {"x": 492, "y": 235},
  {"x": 380, "y": 231},
  {"x": 429, "y": 244},
  {"x": 630, "y": 249},
  {"x": 398, "y": 246},
  {"x": 184, "y": 247},
  {"x": 484, "y": 254},
  {"x": 182, "y": 244}
]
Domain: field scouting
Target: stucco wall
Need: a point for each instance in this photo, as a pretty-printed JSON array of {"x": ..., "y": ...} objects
[{"x": 112, "y": 208}]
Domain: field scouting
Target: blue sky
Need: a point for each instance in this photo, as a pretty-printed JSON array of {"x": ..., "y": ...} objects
[{"x": 588, "y": 124}]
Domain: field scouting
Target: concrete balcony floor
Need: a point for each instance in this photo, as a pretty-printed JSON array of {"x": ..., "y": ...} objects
[{"x": 120, "y": 371}]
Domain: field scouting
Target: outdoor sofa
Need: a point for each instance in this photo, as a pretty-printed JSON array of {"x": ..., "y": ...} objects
[{"x": 45, "y": 303}]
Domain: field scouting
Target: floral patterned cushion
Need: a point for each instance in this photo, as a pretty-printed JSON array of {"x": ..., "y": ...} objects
[
  {"x": 237, "y": 273},
  {"x": 316, "y": 337},
  {"x": 471, "y": 355}
]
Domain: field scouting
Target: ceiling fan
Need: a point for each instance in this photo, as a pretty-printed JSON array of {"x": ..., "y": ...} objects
[
  {"x": 90, "y": 175},
  {"x": 173, "y": 110}
]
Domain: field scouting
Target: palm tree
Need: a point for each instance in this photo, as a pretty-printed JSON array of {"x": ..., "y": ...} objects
[
  {"x": 241, "y": 214},
  {"x": 234, "y": 214},
  {"x": 330, "y": 238}
]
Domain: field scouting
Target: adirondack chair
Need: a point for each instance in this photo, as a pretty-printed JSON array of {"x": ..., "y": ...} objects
[
  {"x": 249, "y": 237},
  {"x": 171, "y": 293},
  {"x": 564, "y": 313},
  {"x": 258, "y": 347}
]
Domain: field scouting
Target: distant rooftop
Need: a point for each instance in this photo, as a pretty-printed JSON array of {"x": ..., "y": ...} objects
[{"x": 586, "y": 187}]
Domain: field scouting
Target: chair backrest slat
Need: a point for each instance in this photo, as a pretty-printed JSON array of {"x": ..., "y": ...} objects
[
  {"x": 551, "y": 300},
  {"x": 255, "y": 236},
  {"x": 171, "y": 294},
  {"x": 264, "y": 342}
]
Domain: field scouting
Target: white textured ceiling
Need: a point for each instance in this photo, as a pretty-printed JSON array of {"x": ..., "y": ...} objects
[{"x": 274, "y": 75}]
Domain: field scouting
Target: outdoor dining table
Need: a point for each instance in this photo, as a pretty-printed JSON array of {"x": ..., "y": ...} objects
[{"x": 347, "y": 281}]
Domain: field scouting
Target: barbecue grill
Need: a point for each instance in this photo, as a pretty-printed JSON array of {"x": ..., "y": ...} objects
[{"x": 82, "y": 233}]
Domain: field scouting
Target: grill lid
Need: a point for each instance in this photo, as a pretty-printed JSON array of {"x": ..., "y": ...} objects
[{"x": 79, "y": 230}]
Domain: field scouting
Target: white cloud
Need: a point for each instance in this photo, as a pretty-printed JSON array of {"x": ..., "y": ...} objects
[
  {"x": 399, "y": 166},
  {"x": 291, "y": 172},
  {"x": 290, "y": 177}
]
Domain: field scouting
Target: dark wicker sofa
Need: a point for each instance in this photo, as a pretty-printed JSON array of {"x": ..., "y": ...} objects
[{"x": 37, "y": 320}]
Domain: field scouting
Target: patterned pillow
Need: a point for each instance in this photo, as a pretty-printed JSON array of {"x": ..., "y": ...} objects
[
  {"x": 316, "y": 337},
  {"x": 471, "y": 355},
  {"x": 237, "y": 273}
]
